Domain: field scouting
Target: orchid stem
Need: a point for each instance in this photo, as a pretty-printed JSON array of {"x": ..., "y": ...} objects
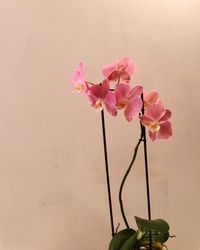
[
  {"x": 143, "y": 131},
  {"x": 146, "y": 171},
  {"x": 142, "y": 138},
  {"x": 107, "y": 172},
  {"x": 124, "y": 179}
]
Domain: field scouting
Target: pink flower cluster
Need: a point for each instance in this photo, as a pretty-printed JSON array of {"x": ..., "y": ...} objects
[{"x": 155, "y": 117}]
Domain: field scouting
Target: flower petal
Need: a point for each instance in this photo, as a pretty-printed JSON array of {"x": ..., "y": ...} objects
[
  {"x": 152, "y": 135},
  {"x": 123, "y": 63},
  {"x": 166, "y": 116},
  {"x": 122, "y": 90},
  {"x": 156, "y": 112},
  {"x": 123, "y": 77},
  {"x": 110, "y": 101},
  {"x": 150, "y": 98},
  {"x": 109, "y": 69},
  {"x": 131, "y": 68},
  {"x": 96, "y": 91},
  {"x": 165, "y": 130},
  {"x": 93, "y": 99},
  {"x": 137, "y": 90},
  {"x": 133, "y": 108},
  {"x": 145, "y": 120},
  {"x": 126, "y": 69},
  {"x": 78, "y": 75},
  {"x": 104, "y": 88}
]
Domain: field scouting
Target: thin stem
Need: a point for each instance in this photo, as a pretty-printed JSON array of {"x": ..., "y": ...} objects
[
  {"x": 143, "y": 131},
  {"x": 124, "y": 179},
  {"x": 91, "y": 83},
  {"x": 146, "y": 171},
  {"x": 107, "y": 172}
]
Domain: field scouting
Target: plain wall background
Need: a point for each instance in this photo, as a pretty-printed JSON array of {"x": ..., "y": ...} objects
[{"x": 52, "y": 180}]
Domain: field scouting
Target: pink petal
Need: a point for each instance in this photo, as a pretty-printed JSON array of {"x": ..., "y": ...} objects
[
  {"x": 93, "y": 99},
  {"x": 137, "y": 90},
  {"x": 152, "y": 135},
  {"x": 78, "y": 75},
  {"x": 145, "y": 120},
  {"x": 150, "y": 98},
  {"x": 166, "y": 116},
  {"x": 133, "y": 108},
  {"x": 95, "y": 90},
  {"x": 105, "y": 88},
  {"x": 131, "y": 68},
  {"x": 108, "y": 69},
  {"x": 126, "y": 68},
  {"x": 123, "y": 76},
  {"x": 110, "y": 101},
  {"x": 122, "y": 90},
  {"x": 155, "y": 112},
  {"x": 165, "y": 130},
  {"x": 123, "y": 63}
]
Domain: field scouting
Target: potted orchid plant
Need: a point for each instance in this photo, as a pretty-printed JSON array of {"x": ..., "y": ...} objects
[{"x": 136, "y": 103}]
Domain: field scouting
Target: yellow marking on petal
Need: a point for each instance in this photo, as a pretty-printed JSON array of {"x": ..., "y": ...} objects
[
  {"x": 154, "y": 127},
  {"x": 121, "y": 103},
  {"x": 99, "y": 105},
  {"x": 79, "y": 88}
]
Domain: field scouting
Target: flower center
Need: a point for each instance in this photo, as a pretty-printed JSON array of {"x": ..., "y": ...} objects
[
  {"x": 121, "y": 103},
  {"x": 79, "y": 87},
  {"x": 154, "y": 127},
  {"x": 99, "y": 105}
]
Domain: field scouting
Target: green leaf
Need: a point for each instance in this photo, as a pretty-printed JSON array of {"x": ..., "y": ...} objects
[
  {"x": 121, "y": 237},
  {"x": 130, "y": 243},
  {"x": 159, "y": 229},
  {"x": 157, "y": 224}
]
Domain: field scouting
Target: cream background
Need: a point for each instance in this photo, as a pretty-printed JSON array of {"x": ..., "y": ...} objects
[{"x": 52, "y": 180}]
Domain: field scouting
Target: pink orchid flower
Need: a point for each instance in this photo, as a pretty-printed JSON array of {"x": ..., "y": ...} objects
[
  {"x": 100, "y": 96},
  {"x": 150, "y": 99},
  {"x": 78, "y": 80},
  {"x": 156, "y": 119},
  {"x": 129, "y": 99},
  {"x": 120, "y": 71}
]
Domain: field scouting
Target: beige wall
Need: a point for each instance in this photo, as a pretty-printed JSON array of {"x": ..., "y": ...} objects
[{"x": 52, "y": 180}]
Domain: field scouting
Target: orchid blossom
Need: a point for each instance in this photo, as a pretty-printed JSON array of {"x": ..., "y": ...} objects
[
  {"x": 150, "y": 99},
  {"x": 78, "y": 80},
  {"x": 156, "y": 119},
  {"x": 129, "y": 99},
  {"x": 100, "y": 96},
  {"x": 120, "y": 71}
]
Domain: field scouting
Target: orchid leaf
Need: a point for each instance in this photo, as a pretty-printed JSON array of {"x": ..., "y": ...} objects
[
  {"x": 130, "y": 243},
  {"x": 159, "y": 230},
  {"x": 120, "y": 238}
]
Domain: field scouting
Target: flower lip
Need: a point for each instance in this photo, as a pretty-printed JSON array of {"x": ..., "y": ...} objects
[{"x": 154, "y": 127}]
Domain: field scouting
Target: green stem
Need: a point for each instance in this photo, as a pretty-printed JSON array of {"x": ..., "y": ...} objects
[{"x": 124, "y": 179}]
